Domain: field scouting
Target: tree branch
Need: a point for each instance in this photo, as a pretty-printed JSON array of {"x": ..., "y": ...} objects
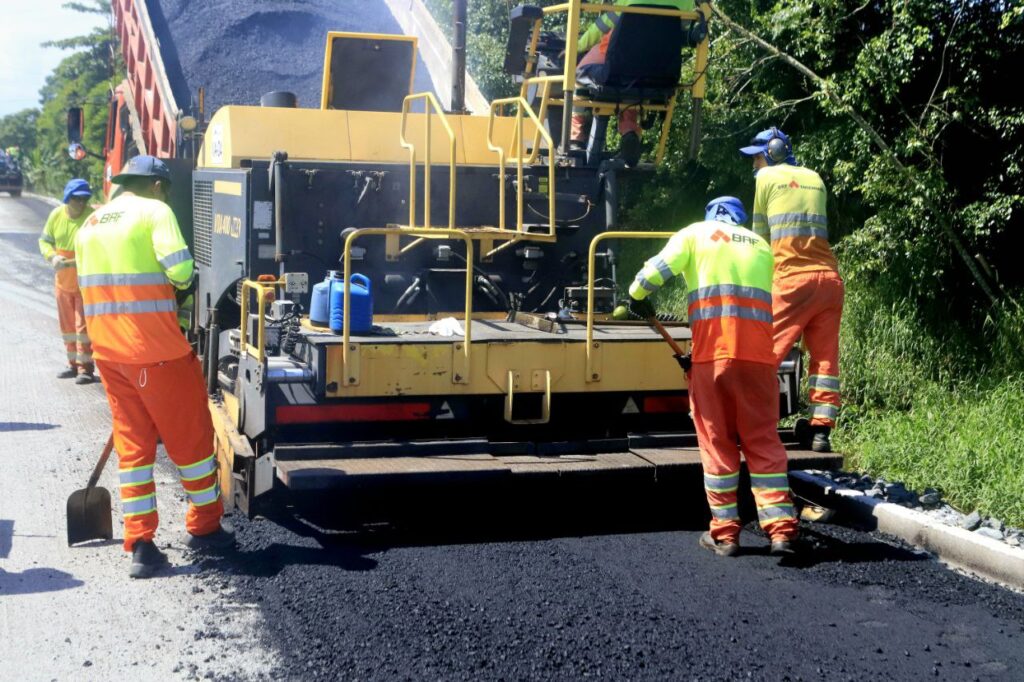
[{"x": 826, "y": 87}]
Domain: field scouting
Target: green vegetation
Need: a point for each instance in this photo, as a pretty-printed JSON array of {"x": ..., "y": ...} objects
[
  {"x": 927, "y": 197},
  {"x": 84, "y": 78}
]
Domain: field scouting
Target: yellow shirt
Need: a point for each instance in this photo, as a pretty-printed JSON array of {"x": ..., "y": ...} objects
[{"x": 58, "y": 238}]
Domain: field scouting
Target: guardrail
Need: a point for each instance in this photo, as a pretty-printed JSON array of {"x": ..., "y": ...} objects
[
  {"x": 540, "y": 132},
  {"x": 262, "y": 289},
  {"x": 592, "y": 373},
  {"x": 432, "y": 107},
  {"x": 460, "y": 348}
]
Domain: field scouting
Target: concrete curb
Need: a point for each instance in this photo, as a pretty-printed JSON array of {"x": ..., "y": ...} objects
[
  {"x": 46, "y": 200},
  {"x": 958, "y": 547}
]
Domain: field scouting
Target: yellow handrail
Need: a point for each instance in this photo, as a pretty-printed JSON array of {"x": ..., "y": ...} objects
[
  {"x": 263, "y": 289},
  {"x": 425, "y": 233},
  {"x": 433, "y": 106},
  {"x": 519, "y": 159},
  {"x": 591, "y": 260}
]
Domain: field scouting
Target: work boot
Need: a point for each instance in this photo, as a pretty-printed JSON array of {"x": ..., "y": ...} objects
[
  {"x": 146, "y": 559},
  {"x": 220, "y": 539},
  {"x": 67, "y": 373},
  {"x": 630, "y": 149},
  {"x": 784, "y": 547},
  {"x": 821, "y": 442},
  {"x": 717, "y": 546},
  {"x": 84, "y": 379}
]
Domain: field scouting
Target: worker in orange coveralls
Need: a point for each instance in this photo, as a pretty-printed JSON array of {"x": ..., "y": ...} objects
[
  {"x": 807, "y": 294},
  {"x": 132, "y": 265},
  {"x": 734, "y": 390},
  {"x": 57, "y": 244}
]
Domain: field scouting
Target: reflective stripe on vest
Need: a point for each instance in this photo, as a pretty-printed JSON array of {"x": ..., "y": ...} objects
[
  {"x": 739, "y": 291},
  {"x": 47, "y": 238},
  {"x": 172, "y": 259},
  {"x": 121, "y": 280},
  {"x": 787, "y": 232},
  {"x": 825, "y": 411},
  {"x": 723, "y": 484},
  {"x": 137, "y": 476},
  {"x": 775, "y": 512},
  {"x": 193, "y": 472},
  {"x": 201, "y": 498},
  {"x": 136, "y": 506},
  {"x": 823, "y": 382},
  {"x": 646, "y": 284},
  {"x": 769, "y": 481},
  {"x": 740, "y": 311},
  {"x": 725, "y": 511},
  {"x": 160, "y": 305}
]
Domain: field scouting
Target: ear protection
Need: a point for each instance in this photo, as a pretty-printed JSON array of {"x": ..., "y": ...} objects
[{"x": 778, "y": 149}]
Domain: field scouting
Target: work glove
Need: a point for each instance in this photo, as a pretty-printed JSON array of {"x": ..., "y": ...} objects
[
  {"x": 59, "y": 262},
  {"x": 685, "y": 361},
  {"x": 642, "y": 308}
]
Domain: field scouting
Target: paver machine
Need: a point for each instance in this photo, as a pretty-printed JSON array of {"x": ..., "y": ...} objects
[{"x": 488, "y": 249}]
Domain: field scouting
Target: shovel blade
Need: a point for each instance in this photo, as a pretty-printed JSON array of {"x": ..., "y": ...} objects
[{"x": 89, "y": 515}]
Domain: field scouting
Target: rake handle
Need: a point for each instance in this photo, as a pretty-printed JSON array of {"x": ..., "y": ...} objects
[
  {"x": 676, "y": 348},
  {"x": 95, "y": 477}
]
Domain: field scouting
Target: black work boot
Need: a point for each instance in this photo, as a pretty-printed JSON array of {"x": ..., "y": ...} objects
[
  {"x": 67, "y": 373},
  {"x": 221, "y": 539},
  {"x": 146, "y": 559},
  {"x": 784, "y": 547},
  {"x": 821, "y": 441},
  {"x": 718, "y": 547},
  {"x": 84, "y": 379},
  {"x": 630, "y": 149}
]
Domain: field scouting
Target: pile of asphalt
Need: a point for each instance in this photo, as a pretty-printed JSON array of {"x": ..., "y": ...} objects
[
  {"x": 515, "y": 592},
  {"x": 240, "y": 49}
]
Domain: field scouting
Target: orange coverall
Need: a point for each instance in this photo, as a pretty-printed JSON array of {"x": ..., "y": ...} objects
[{"x": 58, "y": 239}]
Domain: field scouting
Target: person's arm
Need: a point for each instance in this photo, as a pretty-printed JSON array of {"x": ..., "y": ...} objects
[
  {"x": 760, "y": 215},
  {"x": 669, "y": 262},
  {"x": 592, "y": 36},
  {"x": 47, "y": 240},
  {"x": 171, "y": 250}
]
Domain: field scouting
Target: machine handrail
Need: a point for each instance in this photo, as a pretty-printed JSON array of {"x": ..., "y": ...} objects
[
  {"x": 263, "y": 289},
  {"x": 432, "y": 107},
  {"x": 573, "y": 9},
  {"x": 424, "y": 233},
  {"x": 591, "y": 260},
  {"x": 517, "y": 142}
]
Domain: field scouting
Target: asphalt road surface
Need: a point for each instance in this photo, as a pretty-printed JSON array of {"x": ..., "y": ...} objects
[{"x": 597, "y": 581}]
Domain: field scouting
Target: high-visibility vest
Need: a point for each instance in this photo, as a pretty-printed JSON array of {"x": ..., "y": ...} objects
[
  {"x": 608, "y": 20},
  {"x": 789, "y": 210},
  {"x": 728, "y": 273},
  {"x": 58, "y": 239},
  {"x": 131, "y": 256}
]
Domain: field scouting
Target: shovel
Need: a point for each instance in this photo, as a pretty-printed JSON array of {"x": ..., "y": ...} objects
[
  {"x": 89, "y": 508},
  {"x": 682, "y": 358}
]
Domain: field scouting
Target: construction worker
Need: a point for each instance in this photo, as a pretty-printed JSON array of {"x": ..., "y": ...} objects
[
  {"x": 807, "y": 292},
  {"x": 57, "y": 244},
  {"x": 132, "y": 264},
  {"x": 592, "y": 47},
  {"x": 734, "y": 394}
]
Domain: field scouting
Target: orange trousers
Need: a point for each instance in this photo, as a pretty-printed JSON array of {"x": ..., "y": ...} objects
[
  {"x": 71, "y": 318},
  {"x": 811, "y": 304},
  {"x": 737, "y": 401},
  {"x": 166, "y": 400},
  {"x": 629, "y": 119}
]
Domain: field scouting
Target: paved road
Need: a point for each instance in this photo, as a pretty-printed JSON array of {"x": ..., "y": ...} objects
[{"x": 600, "y": 582}]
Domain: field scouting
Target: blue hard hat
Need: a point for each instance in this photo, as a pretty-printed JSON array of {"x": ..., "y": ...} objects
[
  {"x": 143, "y": 166},
  {"x": 76, "y": 188},
  {"x": 773, "y": 144},
  {"x": 726, "y": 210}
]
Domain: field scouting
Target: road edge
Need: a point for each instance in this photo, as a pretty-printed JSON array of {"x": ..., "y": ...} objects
[
  {"x": 955, "y": 546},
  {"x": 45, "y": 199}
]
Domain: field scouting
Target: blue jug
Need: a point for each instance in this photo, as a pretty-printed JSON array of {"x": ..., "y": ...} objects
[
  {"x": 320, "y": 304},
  {"x": 361, "y": 300}
]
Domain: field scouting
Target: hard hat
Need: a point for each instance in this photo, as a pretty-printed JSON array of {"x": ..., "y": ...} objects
[
  {"x": 76, "y": 188},
  {"x": 773, "y": 144},
  {"x": 143, "y": 166},
  {"x": 726, "y": 210}
]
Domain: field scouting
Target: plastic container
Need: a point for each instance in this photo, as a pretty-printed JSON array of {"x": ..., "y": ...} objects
[
  {"x": 320, "y": 303},
  {"x": 361, "y": 298}
]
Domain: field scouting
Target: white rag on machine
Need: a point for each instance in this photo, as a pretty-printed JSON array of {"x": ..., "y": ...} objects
[{"x": 447, "y": 326}]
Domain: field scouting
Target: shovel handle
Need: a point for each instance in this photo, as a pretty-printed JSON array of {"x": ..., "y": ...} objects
[
  {"x": 676, "y": 348},
  {"x": 95, "y": 477}
]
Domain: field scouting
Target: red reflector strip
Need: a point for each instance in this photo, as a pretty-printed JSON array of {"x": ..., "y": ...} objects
[
  {"x": 663, "y": 404},
  {"x": 352, "y": 412}
]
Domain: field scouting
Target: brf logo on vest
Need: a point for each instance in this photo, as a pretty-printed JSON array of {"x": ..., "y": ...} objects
[{"x": 720, "y": 235}]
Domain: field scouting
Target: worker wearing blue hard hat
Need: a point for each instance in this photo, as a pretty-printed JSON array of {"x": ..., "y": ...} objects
[
  {"x": 807, "y": 292},
  {"x": 57, "y": 244}
]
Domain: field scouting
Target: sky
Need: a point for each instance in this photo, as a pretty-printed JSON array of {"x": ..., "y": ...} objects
[{"x": 24, "y": 65}]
